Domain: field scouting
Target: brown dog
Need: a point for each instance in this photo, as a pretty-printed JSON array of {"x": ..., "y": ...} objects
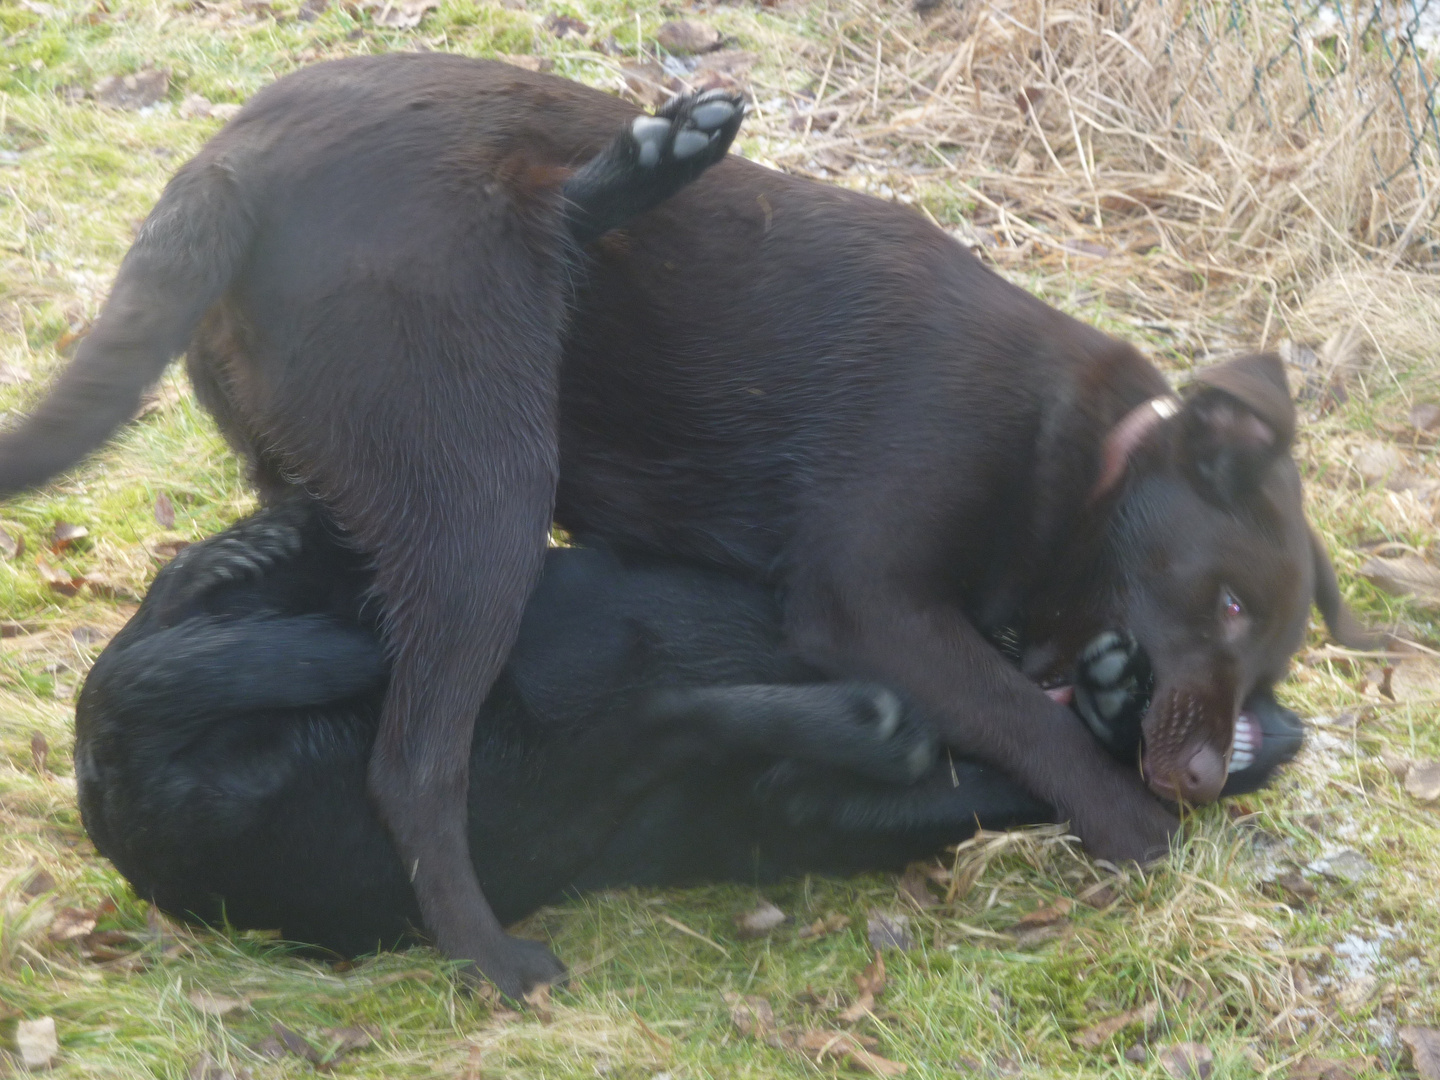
[{"x": 798, "y": 381}]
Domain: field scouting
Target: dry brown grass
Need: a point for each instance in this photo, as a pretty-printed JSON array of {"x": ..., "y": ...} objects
[{"x": 1201, "y": 161}]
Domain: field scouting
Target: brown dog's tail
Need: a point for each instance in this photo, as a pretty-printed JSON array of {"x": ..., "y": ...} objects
[
  {"x": 187, "y": 252},
  {"x": 1343, "y": 625}
]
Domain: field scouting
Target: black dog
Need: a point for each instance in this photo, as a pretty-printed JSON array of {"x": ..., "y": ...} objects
[
  {"x": 648, "y": 729},
  {"x": 794, "y": 381}
]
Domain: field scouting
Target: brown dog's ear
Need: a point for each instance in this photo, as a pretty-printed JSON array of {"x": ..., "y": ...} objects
[
  {"x": 1344, "y": 627},
  {"x": 1238, "y": 417}
]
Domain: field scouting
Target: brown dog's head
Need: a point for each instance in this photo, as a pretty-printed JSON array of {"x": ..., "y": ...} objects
[{"x": 1217, "y": 567}]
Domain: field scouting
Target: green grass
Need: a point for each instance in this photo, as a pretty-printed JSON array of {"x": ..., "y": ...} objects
[{"x": 1231, "y": 961}]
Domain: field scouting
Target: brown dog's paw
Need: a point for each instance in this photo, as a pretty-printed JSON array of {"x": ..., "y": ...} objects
[
  {"x": 1126, "y": 825},
  {"x": 696, "y": 129},
  {"x": 517, "y": 967}
]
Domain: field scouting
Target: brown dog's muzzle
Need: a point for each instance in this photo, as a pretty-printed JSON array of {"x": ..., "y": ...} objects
[{"x": 1187, "y": 745}]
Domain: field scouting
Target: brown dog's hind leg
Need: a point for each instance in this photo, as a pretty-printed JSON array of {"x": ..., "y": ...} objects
[
  {"x": 423, "y": 418},
  {"x": 650, "y": 160}
]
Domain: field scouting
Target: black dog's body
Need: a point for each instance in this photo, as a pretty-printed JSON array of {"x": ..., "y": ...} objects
[
  {"x": 649, "y": 728},
  {"x": 370, "y": 266}
]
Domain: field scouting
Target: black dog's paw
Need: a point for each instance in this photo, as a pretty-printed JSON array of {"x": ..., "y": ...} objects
[
  {"x": 1113, "y": 681},
  {"x": 244, "y": 551},
  {"x": 887, "y": 743},
  {"x": 693, "y": 129}
]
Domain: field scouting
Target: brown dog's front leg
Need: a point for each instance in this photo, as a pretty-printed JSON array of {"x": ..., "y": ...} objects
[{"x": 987, "y": 708}]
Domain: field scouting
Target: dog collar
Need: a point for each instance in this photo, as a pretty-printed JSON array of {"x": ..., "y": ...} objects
[{"x": 1126, "y": 436}]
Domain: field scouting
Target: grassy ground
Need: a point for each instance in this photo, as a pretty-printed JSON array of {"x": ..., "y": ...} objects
[{"x": 1241, "y": 942}]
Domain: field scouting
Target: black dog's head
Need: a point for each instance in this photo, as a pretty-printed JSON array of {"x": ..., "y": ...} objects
[{"x": 1217, "y": 568}]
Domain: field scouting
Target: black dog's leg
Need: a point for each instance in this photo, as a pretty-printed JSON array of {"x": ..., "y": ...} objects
[
  {"x": 853, "y": 726},
  {"x": 953, "y": 798},
  {"x": 654, "y": 157},
  {"x": 245, "y": 551}
]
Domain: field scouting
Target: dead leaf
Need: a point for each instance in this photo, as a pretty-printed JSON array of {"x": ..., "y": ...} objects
[
  {"x": 686, "y": 36},
  {"x": 164, "y": 511},
  {"x": 12, "y": 545},
  {"x": 328, "y": 1047},
  {"x": 831, "y": 923},
  {"x": 1137, "y": 1053},
  {"x": 71, "y": 924},
  {"x": 1046, "y": 923},
  {"x": 194, "y": 107},
  {"x": 1048, "y": 915},
  {"x": 647, "y": 84},
  {"x": 215, "y": 1004},
  {"x": 754, "y": 1019},
  {"x": 1295, "y": 887},
  {"x": 165, "y": 548},
  {"x": 1378, "y": 462},
  {"x": 88, "y": 635},
  {"x": 1187, "y": 1061},
  {"x": 563, "y": 26},
  {"x": 1097, "y": 1035},
  {"x": 36, "y": 1043},
  {"x": 1399, "y": 767},
  {"x": 13, "y": 376},
  {"x": 888, "y": 931},
  {"x": 310, "y": 10},
  {"x": 1311, "y": 1068},
  {"x": 137, "y": 91},
  {"x": 871, "y": 984},
  {"x": 1405, "y": 575},
  {"x": 758, "y": 923},
  {"x": 40, "y": 753},
  {"x": 914, "y": 886},
  {"x": 343, "y": 1040},
  {"x": 1100, "y": 895},
  {"x": 474, "y": 1064},
  {"x": 723, "y": 70},
  {"x": 402, "y": 15},
  {"x": 1424, "y": 1044},
  {"x": 293, "y": 1042},
  {"x": 529, "y": 63},
  {"x": 538, "y": 1000},
  {"x": 1422, "y": 780},
  {"x": 1425, "y": 416},
  {"x": 207, "y": 1068},
  {"x": 855, "y": 1051},
  {"x": 59, "y": 580},
  {"x": 64, "y": 534},
  {"x": 752, "y": 1016},
  {"x": 38, "y": 883}
]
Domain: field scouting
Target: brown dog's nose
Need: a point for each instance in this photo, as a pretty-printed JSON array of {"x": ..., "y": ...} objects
[{"x": 1203, "y": 776}]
